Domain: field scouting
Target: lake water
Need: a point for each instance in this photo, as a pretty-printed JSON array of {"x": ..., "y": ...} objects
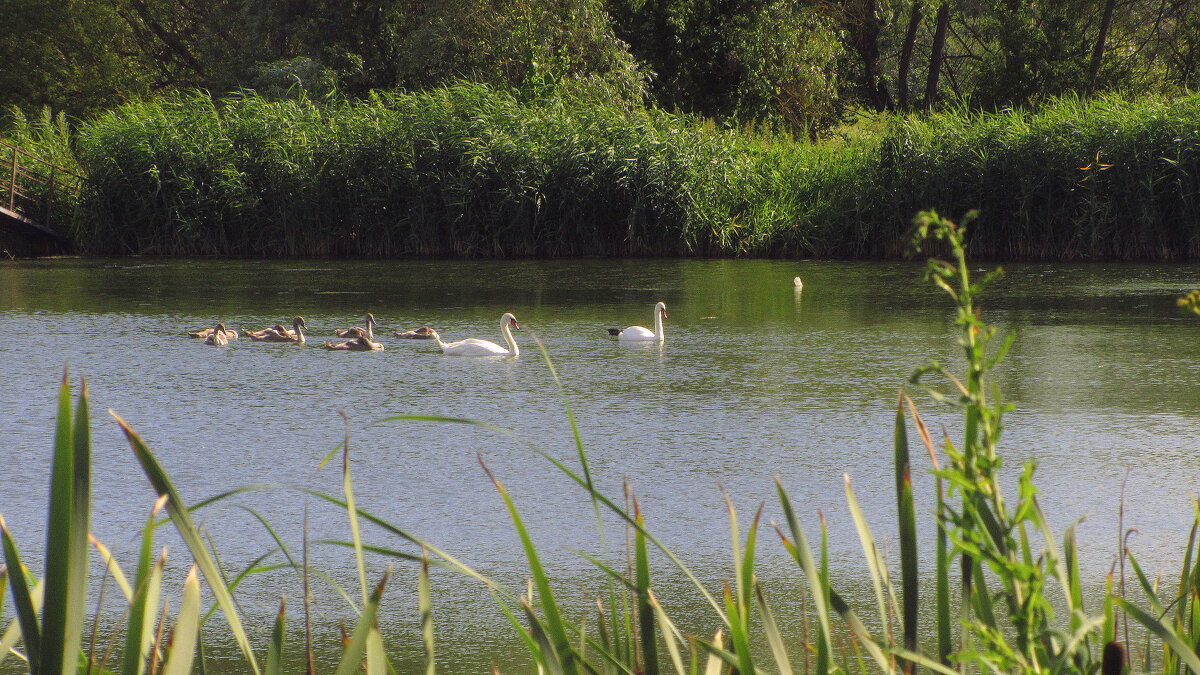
[{"x": 755, "y": 380}]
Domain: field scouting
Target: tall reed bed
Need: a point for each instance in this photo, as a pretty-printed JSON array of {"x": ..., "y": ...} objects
[
  {"x": 457, "y": 171},
  {"x": 1102, "y": 179},
  {"x": 469, "y": 171},
  {"x": 1007, "y": 595}
]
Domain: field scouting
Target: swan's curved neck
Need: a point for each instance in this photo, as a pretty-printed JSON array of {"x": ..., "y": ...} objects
[
  {"x": 506, "y": 328},
  {"x": 658, "y": 327},
  {"x": 299, "y": 334},
  {"x": 370, "y": 333}
]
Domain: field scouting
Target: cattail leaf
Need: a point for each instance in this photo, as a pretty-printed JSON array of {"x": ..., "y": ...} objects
[
  {"x": 63, "y": 610},
  {"x": 906, "y": 512},
  {"x": 274, "y": 665},
  {"x": 27, "y": 618},
  {"x": 554, "y": 625},
  {"x": 355, "y": 649},
  {"x": 187, "y": 629},
  {"x": 187, "y": 529}
]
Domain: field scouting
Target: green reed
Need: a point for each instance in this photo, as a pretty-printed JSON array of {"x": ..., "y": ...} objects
[
  {"x": 470, "y": 171},
  {"x": 1019, "y": 607}
]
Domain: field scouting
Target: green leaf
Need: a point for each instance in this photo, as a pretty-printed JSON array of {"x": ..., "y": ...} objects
[
  {"x": 645, "y": 612},
  {"x": 187, "y": 629},
  {"x": 772, "y": 633},
  {"x": 554, "y": 624},
  {"x": 182, "y": 519},
  {"x": 906, "y": 511},
  {"x": 27, "y": 619},
  {"x": 1181, "y": 648},
  {"x": 63, "y": 610},
  {"x": 278, "y": 634},
  {"x": 425, "y": 607},
  {"x": 143, "y": 605},
  {"x": 352, "y": 656},
  {"x": 12, "y": 634}
]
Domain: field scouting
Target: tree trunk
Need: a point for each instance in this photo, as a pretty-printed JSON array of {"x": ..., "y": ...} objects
[
  {"x": 937, "y": 53},
  {"x": 860, "y": 18},
  {"x": 1098, "y": 51},
  {"x": 910, "y": 38}
]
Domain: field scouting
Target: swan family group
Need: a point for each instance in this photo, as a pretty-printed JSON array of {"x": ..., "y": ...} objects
[{"x": 362, "y": 338}]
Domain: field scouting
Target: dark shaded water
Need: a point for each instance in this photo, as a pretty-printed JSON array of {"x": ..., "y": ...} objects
[{"x": 755, "y": 380}]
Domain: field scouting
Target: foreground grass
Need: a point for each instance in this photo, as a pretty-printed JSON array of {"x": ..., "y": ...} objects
[
  {"x": 1007, "y": 596},
  {"x": 469, "y": 171}
]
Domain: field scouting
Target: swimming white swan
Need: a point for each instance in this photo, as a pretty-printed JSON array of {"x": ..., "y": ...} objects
[
  {"x": 474, "y": 347},
  {"x": 639, "y": 334}
]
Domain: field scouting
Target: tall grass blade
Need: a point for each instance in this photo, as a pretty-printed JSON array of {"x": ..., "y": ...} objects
[
  {"x": 551, "y": 661},
  {"x": 425, "y": 607},
  {"x": 112, "y": 568},
  {"x": 144, "y": 602},
  {"x": 12, "y": 634},
  {"x": 64, "y": 610},
  {"x": 712, "y": 664},
  {"x": 802, "y": 554},
  {"x": 182, "y": 519},
  {"x": 352, "y": 655},
  {"x": 1182, "y": 650},
  {"x": 671, "y": 636},
  {"x": 374, "y": 647},
  {"x": 579, "y": 447},
  {"x": 555, "y": 626},
  {"x": 187, "y": 629},
  {"x": 377, "y": 663},
  {"x": 274, "y": 665},
  {"x": 942, "y": 557},
  {"x": 772, "y": 633},
  {"x": 875, "y": 563},
  {"x": 646, "y": 617},
  {"x": 27, "y": 619},
  {"x": 906, "y": 511}
]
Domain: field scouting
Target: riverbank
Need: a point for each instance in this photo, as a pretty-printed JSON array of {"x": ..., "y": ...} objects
[{"x": 473, "y": 172}]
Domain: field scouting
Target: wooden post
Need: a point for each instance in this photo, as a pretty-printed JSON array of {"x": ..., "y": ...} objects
[
  {"x": 49, "y": 197},
  {"x": 12, "y": 186}
]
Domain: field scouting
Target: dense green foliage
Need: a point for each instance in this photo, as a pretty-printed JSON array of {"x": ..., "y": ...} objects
[
  {"x": 801, "y": 65},
  {"x": 472, "y": 171},
  {"x": 464, "y": 171}
]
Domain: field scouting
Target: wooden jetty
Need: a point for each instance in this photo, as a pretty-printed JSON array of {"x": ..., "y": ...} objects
[{"x": 37, "y": 202}]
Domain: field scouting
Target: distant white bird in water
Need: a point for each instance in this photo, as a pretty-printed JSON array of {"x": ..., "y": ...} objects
[
  {"x": 640, "y": 334},
  {"x": 476, "y": 347},
  {"x": 797, "y": 283}
]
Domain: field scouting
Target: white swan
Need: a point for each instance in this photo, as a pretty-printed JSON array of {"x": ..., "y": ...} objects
[
  {"x": 475, "y": 347},
  {"x": 639, "y": 334}
]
